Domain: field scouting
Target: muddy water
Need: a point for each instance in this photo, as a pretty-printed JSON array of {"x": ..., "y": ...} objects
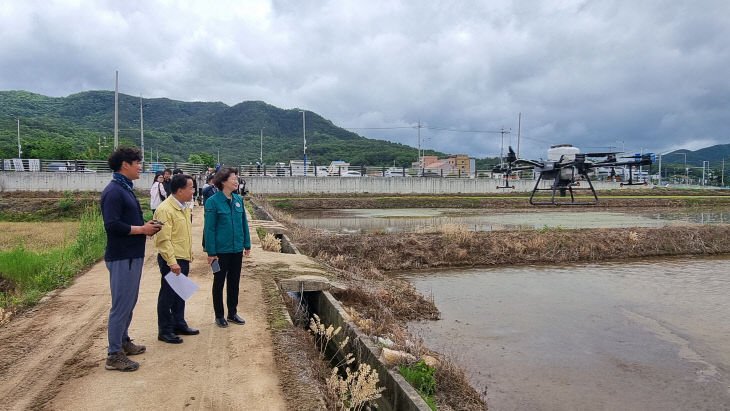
[
  {"x": 413, "y": 219},
  {"x": 636, "y": 336}
]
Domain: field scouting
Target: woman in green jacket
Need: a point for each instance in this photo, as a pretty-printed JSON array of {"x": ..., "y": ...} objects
[{"x": 226, "y": 237}]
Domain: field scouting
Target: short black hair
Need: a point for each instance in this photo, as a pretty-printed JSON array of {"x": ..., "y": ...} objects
[
  {"x": 210, "y": 177},
  {"x": 168, "y": 170},
  {"x": 222, "y": 175},
  {"x": 177, "y": 171},
  {"x": 179, "y": 181},
  {"x": 123, "y": 154}
]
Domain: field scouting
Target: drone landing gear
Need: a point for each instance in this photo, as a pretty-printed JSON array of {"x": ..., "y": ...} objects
[
  {"x": 631, "y": 180},
  {"x": 563, "y": 186},
  {"x": 506, "y": 183}
]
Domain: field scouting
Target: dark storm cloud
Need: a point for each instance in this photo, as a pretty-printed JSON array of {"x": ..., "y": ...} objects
[{"x": 596, "y": 74}]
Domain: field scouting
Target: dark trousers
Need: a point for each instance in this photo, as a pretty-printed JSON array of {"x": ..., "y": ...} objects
[
  {"x": 230, "y": 274},
  {"x": 170, "y": 307},
  {"x": 124, "y": 278}
]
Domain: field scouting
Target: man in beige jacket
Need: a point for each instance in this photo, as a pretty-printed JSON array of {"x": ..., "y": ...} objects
[{"x": 175, "y": 248}]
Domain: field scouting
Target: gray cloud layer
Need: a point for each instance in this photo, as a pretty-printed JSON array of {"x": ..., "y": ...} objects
[{"x": 593, "y": 73}]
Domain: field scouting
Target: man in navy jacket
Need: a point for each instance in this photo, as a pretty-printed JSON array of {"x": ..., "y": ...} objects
[{"x": 126, "y": 234}]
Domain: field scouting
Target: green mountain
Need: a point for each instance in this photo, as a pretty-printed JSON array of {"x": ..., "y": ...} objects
[
  {"x": 714, "y": 154},
  {"x": 82, "y": 126}
]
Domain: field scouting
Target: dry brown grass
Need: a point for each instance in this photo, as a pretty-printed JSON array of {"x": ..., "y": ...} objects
[
  {"x": 408, "y": 251},
  {"x": 271, "y": 243},
  {"x": 37, "y": 236},
  {"x": 454, "y": 389}
]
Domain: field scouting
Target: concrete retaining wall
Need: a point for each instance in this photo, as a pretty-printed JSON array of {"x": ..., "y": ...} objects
[
  {"x": 26, "y": 181},
  {"x": 12, "y": 181},
  {"x": 399, "y": 394}
]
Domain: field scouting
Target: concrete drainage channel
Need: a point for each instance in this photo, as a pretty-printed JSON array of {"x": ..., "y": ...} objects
[
  {"x": 287, "y": 246},
  {"x": 313, "y": 292}
]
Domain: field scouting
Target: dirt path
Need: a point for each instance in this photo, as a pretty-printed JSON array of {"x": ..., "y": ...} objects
[{"x": 53, "y": 356}]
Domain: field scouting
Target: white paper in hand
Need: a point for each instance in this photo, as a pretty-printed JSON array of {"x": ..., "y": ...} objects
[{"x": 181, "y": 284}]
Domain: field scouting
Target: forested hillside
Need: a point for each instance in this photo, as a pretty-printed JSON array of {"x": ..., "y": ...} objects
[
  {"x": 713, "y": 154},
  {"x": 82, "y": 126}
]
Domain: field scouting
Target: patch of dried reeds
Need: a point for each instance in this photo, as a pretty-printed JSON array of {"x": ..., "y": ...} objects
[
  {"x": 408, "y": 251},
  {"x": 271, "y": 243}
]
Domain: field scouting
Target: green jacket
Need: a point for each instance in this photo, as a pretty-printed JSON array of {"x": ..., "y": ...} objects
[{"x": 226, "y": 227}]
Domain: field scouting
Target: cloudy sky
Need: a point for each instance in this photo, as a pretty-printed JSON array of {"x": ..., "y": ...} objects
[{"x": 651, "y": 75}]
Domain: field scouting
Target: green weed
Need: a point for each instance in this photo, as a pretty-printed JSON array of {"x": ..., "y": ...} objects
[
  {"x": 261, "y": 232},
  {"x": 285, "y": 204},
  {"x": 420, "y": 376},
  {"x": 36, "y": 273}
]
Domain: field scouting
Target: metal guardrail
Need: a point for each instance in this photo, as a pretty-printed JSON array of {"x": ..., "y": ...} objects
[
  {"x": 88, "y": 166},
  {"x": 276, "y": 170},
  {"x": 281, "y": 170}
]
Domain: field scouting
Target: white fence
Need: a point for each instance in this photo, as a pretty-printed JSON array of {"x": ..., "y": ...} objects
[
  {"x": 16, "y": 181},
  {"x": 87, "y": 166}
]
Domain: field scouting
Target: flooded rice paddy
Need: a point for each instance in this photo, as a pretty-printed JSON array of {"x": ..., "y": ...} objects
[
  {"x": 415, "y": 219},
  {"x": 651, "y": 335}
]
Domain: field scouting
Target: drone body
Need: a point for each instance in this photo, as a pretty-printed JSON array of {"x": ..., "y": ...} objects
[{"x": 565, "y": 167}]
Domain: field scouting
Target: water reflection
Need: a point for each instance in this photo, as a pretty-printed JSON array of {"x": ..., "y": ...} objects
[
  {"x": 408, "y": 220},
  {"x": 636, "y": 336}
]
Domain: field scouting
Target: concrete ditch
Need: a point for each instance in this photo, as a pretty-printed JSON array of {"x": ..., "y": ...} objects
[{"x": 398, "y": 394}]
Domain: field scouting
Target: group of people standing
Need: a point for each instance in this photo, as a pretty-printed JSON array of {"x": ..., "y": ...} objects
[{"x": 226, "y": 240}]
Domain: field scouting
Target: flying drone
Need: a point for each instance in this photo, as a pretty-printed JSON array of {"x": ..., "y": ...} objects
[{"x": 566, "y": 166}]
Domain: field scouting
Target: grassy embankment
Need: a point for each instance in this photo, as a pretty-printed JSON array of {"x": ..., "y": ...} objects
[{"x": 29, "y": 274}]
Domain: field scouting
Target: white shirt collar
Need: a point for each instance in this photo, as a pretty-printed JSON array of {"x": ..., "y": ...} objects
[{"x": 182, "y": 205}]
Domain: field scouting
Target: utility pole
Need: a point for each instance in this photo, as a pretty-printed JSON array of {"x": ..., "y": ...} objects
[
  {"x": 19, "y": 151},
  {"x": 141, "y": 128},
  {"x": 420, "y": 157},
  {"x": 519, "y": 129},
  {"x": 304, "y": 133},
  {"x": 261, "y": 155},
  {"x": 722, "y": 174},
  {"x": 501, "y": 151},
  {"x": 116, "y": 109}
]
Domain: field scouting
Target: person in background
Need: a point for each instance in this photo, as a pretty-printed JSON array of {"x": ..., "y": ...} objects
[
  {"x": 200, "y": 184},
  {"x": 226, "y": 237},
  {"x": 166, "y": 183},
  {"x": 208, "y": 189},
  {"x": 157, "y": 192},
  {"x": 126, "y": 234},
  {"x": 175, "y": 249}
]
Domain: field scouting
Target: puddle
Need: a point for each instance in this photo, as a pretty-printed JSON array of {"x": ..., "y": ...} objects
[{"x": 637, "y": 336}]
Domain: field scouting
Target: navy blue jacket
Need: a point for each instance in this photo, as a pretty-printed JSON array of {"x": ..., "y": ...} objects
[{"x": 120, "y": 209}]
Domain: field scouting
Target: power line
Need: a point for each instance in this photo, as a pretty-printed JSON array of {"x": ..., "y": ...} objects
[
  {"x": 377, "y": 128},
  {"x": 426, "y": 127}
]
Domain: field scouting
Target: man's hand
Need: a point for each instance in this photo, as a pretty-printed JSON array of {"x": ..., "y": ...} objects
[
  {"x": 247, "y": 253},
  {"x": 175, "y": 268},
  {"x": 150, "y": 228},
  {"x": 211, "y": 259}
]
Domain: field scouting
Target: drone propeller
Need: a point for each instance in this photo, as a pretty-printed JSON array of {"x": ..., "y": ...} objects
[{"x": 605, "y": 154}]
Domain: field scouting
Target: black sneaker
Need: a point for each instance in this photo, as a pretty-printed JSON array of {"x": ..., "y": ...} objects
[{"x": 236, "y": 319}]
